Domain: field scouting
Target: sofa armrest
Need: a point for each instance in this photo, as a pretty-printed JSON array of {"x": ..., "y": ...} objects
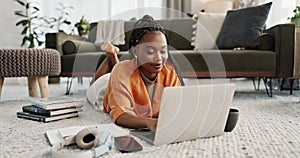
[
  {"x": 266, "y": 42},
  {"x": 56, "y": 40},
  {"x": 78, "y": 46},
  {"x": 284, "y": 46}
]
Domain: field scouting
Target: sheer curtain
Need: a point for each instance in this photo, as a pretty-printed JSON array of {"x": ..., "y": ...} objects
[{"x": 177, "y": 8}]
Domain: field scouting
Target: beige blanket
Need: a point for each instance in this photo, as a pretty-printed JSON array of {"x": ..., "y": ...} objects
[{"x": 111, "y": 31}]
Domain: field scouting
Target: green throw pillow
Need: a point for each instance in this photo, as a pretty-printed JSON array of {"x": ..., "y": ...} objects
[{"x": 242, "y": 27}]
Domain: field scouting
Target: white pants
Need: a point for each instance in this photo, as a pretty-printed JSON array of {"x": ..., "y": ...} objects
[{"x": 95, "y": 93}]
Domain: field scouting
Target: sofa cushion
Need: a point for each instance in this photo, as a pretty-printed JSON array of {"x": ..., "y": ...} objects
[
  {"x": 244, "y": 63},
  {"x": 72, "y": 63},
  {"x": 242, "y": 27},
  {"x": 179, "y": 32},
  {"x": 207, "y": 29}
]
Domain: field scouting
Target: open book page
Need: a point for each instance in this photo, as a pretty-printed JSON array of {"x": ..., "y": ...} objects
[{"x": 57, "y": 135}]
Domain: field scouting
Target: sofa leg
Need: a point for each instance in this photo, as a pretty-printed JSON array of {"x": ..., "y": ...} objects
[
  {"x": 292, "y": 85},
  {"x": 44, "y": 87},
  {"x": 269, "y": 90},
  {"x": 282, "y": 83},
  {"x": 32, "y": 89},
  {"x": 258, "y": 83},
  {"x": 1, "y": 84},
  {"x": 69, "y": 85},
  {"x": 80, "y": 80}
]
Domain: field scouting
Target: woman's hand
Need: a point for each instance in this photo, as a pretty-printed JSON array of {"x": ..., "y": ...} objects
[
  {"x": 130, "y": 121},
  {"x": 151, "y": 123}
]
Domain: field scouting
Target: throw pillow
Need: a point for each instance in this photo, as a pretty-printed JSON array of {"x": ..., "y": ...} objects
[
  {"x": 207, "y": 28},
  {"x": 242, "y": 27}
]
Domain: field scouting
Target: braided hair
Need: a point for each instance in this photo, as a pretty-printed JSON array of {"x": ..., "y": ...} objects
[{"x": 147, "y": 25}]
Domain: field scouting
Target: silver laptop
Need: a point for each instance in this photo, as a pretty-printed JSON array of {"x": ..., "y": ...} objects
[{"x": 190, "y": 112}]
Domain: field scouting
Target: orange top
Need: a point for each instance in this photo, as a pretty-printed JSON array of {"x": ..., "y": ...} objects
[{"x": 126, "y": 91}]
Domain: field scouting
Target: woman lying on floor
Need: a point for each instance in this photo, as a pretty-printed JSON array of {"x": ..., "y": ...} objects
[{"x": 130, "y": 91}]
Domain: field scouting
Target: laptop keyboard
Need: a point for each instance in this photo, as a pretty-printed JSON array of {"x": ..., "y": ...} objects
[
  {"x": 149, "y": 134},
  {"x": 144, "y": 134}
]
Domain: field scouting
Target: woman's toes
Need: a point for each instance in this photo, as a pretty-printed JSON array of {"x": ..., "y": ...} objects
[{"x": 116, "y": 49}]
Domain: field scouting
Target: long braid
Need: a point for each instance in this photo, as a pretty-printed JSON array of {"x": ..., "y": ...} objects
[{"x": 146, "y": 25}]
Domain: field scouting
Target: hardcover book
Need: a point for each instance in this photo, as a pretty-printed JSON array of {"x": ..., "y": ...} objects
[
  {"x": 57, "y": 103},
  {"x": 34, "y": 109},
  {"x": 45, "y": 119}
]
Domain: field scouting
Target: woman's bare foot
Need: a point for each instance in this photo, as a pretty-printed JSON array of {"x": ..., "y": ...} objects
[
  {"x": 109, "y": 62},
  {"x": 109, "y": 48},
  {"x": 111, "y": 51}
]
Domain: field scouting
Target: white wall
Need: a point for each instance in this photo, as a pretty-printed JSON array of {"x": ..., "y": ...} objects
[
  {"x": 10, "y": 36},
  {"x": 93, "y": 10},
  {"x": 197, "y": 5},
  {"x": 280, "y": 11}
]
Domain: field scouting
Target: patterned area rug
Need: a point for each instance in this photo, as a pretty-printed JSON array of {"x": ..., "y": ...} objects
[{"x": 267, "y": 127}]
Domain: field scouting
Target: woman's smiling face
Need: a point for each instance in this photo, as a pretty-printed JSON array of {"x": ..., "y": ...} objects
[{"x": 151, "y": 53}]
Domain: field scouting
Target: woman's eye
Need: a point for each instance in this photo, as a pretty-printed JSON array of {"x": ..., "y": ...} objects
[
  {"x": 163, "y": 51},
  {"x": 150, "y": 51}
]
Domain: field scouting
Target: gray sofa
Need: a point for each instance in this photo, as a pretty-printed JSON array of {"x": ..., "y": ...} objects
[{"x": 273, "y": 58}]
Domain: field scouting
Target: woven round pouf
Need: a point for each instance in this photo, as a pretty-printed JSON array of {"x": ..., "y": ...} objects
[{"x": 35, "y": 64}]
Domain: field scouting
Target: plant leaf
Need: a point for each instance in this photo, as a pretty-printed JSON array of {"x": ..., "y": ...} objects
[
  {"x": 34, "y": 34},
  {"x": 23, "y": 22},
  {"x": 36, "y": 8},
  {"x": 34, "y": 12},
  {"x": 20, "y": 13},
  {"x": 40, "y": 43},
  {"x": 46, "y": 21},
  {"x": 27, "y": 5},
  {"x": 67, "y": 22},
  {"x": 24, "y": 40},
  {"x": 21, "y": 3},
  {"x": 34, "y": 17},
  {"x": 24, "y": 31}
]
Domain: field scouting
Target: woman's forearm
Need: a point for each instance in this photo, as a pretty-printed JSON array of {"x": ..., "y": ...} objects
[{"x": 130, "y": 121}]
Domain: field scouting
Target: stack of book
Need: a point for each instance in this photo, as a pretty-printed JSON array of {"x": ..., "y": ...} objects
[{"x": 51, "y": 109}]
